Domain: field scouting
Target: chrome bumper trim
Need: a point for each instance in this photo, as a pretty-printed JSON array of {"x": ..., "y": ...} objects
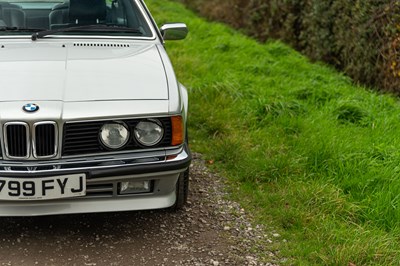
[{"x": 98, "y": 163}]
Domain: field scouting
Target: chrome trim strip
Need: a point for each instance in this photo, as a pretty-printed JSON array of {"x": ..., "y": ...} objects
[
  {"x": 90, "y": 164},
  {"x": 55, "y": 139},
  {"x": 87, "y": 160},
  {"x": 91, "y": 159},
  {"x": 28, "y": 144},
  {"x": 116, "y": 153}
]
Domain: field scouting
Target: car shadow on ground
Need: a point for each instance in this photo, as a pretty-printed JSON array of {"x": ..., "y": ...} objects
[{"x": 84, "y": 224}]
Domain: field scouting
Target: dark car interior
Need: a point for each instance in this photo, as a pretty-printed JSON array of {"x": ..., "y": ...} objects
[
  {"x": 58, "y": 15},
  {"x": 12, "y": 15}
]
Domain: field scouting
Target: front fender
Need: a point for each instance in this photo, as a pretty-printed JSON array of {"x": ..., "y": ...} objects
[{"x": 185, "y": 98}]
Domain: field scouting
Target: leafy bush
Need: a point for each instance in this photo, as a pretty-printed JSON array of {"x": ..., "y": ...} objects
[{"x": 360, "y": 37}]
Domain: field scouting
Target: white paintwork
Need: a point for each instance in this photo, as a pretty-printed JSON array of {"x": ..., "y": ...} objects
[
  {"x": 163, "y": 199},
  {"x": 86, "y": 78},
  {"x": 41, "y": 71},
  {"x": 87, "y": 206}
]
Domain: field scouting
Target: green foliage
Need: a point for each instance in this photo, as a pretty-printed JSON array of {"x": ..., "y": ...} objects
[
  {"x": 308, "y": 153},
  {"x": 360, "y": 37},
  {"x": 278, "y": 108},
  {"x": 350, "y": 113}
]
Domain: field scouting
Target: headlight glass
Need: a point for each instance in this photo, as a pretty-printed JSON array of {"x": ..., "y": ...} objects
[
  {"x": 149, "y": 132},
  {"x": 114, "y": 135}
]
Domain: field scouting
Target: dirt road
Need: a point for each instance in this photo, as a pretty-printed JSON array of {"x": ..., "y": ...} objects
[{"x": 209, "y": 231}]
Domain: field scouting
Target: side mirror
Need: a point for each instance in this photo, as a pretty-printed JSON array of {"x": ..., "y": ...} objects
[{"x": 174, "y": 31}]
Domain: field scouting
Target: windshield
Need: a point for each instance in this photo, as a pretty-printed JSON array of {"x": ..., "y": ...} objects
[{"x": 105, "y": 17}]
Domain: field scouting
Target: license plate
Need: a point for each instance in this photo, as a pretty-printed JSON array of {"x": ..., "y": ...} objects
[{"x": 47, "y": 188}]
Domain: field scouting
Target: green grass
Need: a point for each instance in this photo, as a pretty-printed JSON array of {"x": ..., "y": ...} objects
[{"x": 305, "y": 150}]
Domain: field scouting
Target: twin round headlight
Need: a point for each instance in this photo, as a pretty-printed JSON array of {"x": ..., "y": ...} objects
[{"x": 147, "y": 133}]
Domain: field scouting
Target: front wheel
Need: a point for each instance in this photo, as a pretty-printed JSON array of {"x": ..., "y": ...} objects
[{"x": 182, "y": 190}]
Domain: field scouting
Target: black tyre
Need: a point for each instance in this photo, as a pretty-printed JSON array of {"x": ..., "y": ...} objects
[{"x": 182, "y": 190}]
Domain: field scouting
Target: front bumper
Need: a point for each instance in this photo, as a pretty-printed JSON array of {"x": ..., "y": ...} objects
[{"x": 103, "y": 175}]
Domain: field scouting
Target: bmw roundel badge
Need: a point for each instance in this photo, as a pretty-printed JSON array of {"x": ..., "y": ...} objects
[{"x": 30, "y": 107}]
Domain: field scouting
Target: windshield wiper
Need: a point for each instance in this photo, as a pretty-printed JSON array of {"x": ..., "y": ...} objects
[
  {"x": 16, "y": 29},
  {"x": 88, "y": 28}
]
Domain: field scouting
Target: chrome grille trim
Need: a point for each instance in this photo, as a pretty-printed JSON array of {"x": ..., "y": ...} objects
[
  {"x": 12, "y": 149},
  {"x": 52, "y": 144}
]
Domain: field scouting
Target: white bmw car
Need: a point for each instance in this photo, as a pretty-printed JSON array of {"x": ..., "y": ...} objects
[{"x": 92, "y": 117}]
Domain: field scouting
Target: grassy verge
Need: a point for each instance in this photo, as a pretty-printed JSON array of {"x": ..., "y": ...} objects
[{"x": 309, "y": 153}]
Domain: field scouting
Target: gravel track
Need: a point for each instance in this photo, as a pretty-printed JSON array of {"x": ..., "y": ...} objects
[{"x": 210, "y": 230}]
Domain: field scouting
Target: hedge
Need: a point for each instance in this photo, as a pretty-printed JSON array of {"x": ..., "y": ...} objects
[{"x": 360, "y": 37}]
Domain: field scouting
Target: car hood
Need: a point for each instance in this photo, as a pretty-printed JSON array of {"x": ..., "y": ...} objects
[{"x": 81, "y": 71}]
